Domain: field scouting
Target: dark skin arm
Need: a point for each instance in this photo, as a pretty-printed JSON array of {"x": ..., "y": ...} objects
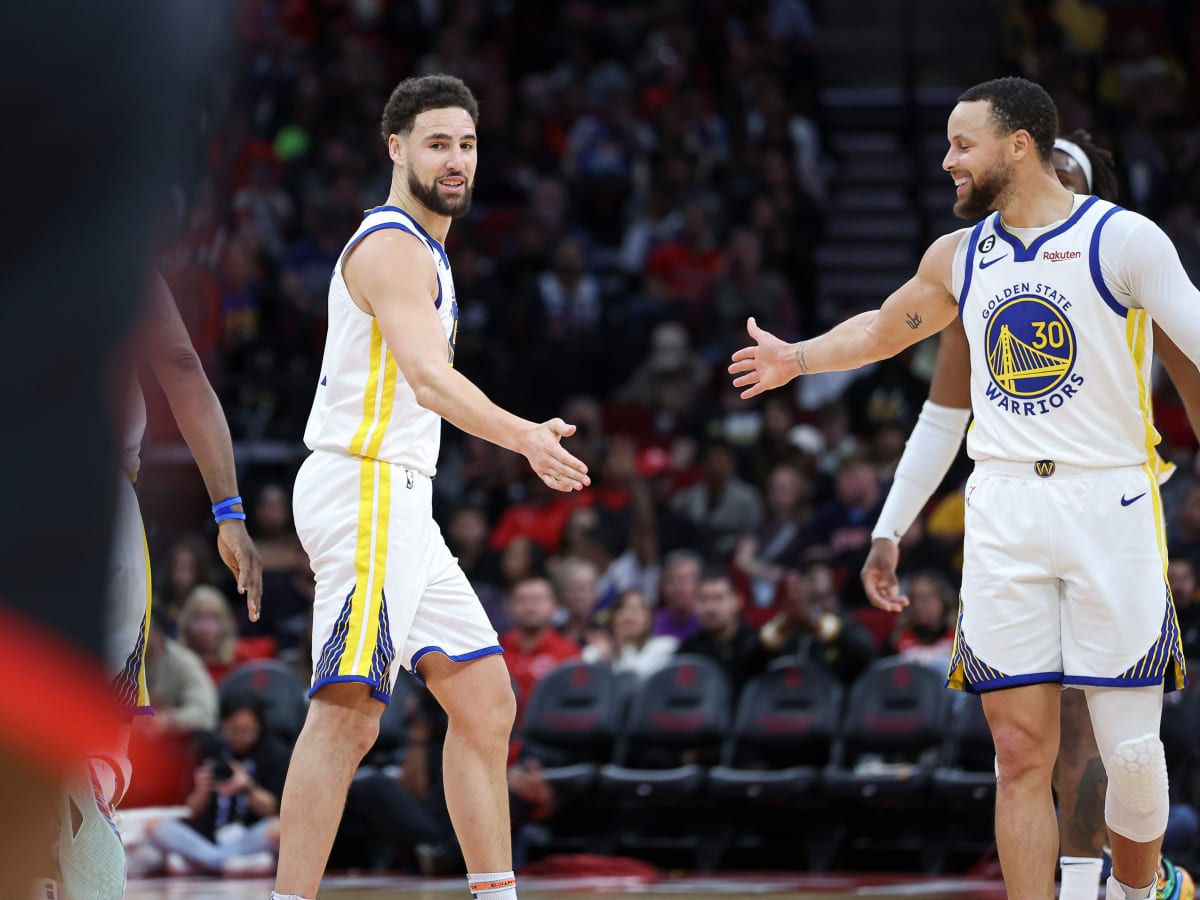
[{"x": 169, "y": 351}]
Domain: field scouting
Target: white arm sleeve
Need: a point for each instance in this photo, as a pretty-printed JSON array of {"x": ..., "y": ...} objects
[
  {"x": 1146, "y": 274},
  {"x": 927, "y": 456}
]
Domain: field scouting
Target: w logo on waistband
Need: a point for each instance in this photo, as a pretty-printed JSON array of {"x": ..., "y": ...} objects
[{"x": 1044, "y": 467}]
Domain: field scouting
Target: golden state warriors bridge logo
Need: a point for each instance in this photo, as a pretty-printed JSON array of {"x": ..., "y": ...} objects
[{"x": 1030, "y": 353}]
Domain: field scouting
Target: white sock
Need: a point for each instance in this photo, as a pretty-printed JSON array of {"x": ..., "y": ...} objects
[
  {"x": 275, "y": 896},
  {"x": 1080, "y": 877},
  {"x": 492, "y": 885},
  {"x": 1116, "y": 890}
]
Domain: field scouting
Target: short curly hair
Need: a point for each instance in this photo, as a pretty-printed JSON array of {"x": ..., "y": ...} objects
[
  {"x": 1017, "y": 103},
  {"x": 414, "y": 96}
]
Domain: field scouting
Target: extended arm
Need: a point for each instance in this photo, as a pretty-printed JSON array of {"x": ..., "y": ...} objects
[
  {"x": 927, "y": 458},
  {"x": 923, "y": 306},
  {"x": 392, "y": 277},
  {"x": 202, "y": 423}
]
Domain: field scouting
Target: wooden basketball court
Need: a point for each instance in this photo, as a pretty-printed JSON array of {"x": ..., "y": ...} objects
[{"x": 717, "y": 887}]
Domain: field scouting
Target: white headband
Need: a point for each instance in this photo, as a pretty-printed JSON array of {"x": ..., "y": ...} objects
[{"x": 1076, "y": 153}]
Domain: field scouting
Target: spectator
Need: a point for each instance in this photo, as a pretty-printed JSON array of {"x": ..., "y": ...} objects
[
  {"x": 682, "y": 273},
  {"x": 577, "y": 582},
  {"x": 189, "y": 563},
  {"x": 206, "y": 627},
  {"x": 628, "y": 644},
  {"x": 812, "y": 626},
  {"x": 532, "y": 648},
  {"x": 678, "y": 595},
  {"x": 762, "y": 557},
  {"x": 233, "y": 828},
  {"x": 843, "y": 525},
  {"x": 637, "y": 568},
  {"x": 721, "y": 505},
  {"x": 724, "y": 635},
  {"x": 924, "y": 632},
  {"x": 672, "y": 376},
  {"x": 182, "y": 693},
  {"x": 521, "y": 559}
]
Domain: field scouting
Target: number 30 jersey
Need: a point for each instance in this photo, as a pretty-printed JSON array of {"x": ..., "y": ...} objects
[{"x": 1060, "y": 357}]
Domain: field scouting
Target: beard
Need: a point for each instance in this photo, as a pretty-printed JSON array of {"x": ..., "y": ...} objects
[
  {"x": 983, "y": 194},
  {"x": 455, "y": 206}
]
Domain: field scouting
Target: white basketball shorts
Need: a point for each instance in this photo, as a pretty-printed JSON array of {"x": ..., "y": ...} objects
[
  {"x": 129, "y": 596},
  {"x": 1064, "y": 580},
  {"x": 388, "y": 590}
]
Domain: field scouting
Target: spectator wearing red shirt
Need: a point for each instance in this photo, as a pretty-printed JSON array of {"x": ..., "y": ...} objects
[
  {"x": 686, "y": 270},
  {"x": 533, "y": 647},
  {"x": 207, "y": 628}
]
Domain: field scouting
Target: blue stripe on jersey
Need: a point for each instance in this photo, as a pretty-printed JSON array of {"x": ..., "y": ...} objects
[
  {"x": 962, "y": 298},
  {"x": 1094, "y": 265},
  {"x": 358, "y": 240},
  {"x": 425, "y": 234},
  {"x": 1021, "y": 253}
]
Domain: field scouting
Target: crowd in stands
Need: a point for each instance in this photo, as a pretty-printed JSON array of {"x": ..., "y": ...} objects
[{"x": 651, "y": 172}]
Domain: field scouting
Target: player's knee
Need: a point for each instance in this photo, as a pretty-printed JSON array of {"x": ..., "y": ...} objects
[
  {"x": 1137, "y": 782},
  {"x": 490, "y": 719},
  {"x": 1020, "y": 753},
  {"x": 349, "y": 725}
]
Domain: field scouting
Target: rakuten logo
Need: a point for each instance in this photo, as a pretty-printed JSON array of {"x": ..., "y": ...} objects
[{"x": 1060, "y": 255}]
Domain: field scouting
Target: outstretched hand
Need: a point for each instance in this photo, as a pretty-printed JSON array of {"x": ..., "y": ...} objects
[
  {"x": 879, "y": 576},
  {"x": 769, "y": 364},
  {"x": 542, "y": 446},
  {"x": 241, "y": 558}
]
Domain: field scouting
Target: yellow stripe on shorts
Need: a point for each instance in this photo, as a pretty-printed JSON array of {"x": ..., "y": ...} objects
[{"x": 370, "y": 567}]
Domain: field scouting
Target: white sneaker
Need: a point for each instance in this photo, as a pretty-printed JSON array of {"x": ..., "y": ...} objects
[
  {"x": 251, "y": 865},
  {"x": 90, "y": 853}
]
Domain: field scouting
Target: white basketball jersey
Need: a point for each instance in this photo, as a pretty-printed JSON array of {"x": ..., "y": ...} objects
[
  {"x": 1060, "y": 369},
  {"x": 363, "y": 405}
]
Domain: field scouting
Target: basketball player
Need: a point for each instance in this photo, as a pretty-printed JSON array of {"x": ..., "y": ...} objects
[
  {"x": 389, "y": 594},
  {"x": 91, "y": 856},
  {"x": 1064, "y": 561},
  {"x": 1078, "y": 773}
]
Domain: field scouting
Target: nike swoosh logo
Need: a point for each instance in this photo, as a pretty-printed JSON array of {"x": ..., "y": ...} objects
[
  {"x": 1125, "y": 502},
  {"x": 984, "y": 263}
]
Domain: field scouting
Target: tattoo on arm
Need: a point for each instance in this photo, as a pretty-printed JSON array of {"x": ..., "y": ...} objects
[
  {"x": 800, "y": 360},
  {"x": 914, "y": 321}
]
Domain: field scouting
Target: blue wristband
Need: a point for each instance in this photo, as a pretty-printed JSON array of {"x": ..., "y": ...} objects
[{"x": 224, "y": 509}]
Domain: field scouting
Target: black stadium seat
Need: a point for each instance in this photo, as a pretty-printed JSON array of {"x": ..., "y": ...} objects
[
  {"x": 677, "y": 722},
  {"x": 771, "y": 763},
  {"x": 571, "y": 724},
  {"x": 283, "y": 693},
  {"x": 884, "y": 756},
  {"x": 965, "y": 780},
  {"x": 781, "y": 737}
]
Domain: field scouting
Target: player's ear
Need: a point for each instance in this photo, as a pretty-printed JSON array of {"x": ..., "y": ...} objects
[
  {"x": 396, "y": 149},
  {"x": 1022, "y": 144}
]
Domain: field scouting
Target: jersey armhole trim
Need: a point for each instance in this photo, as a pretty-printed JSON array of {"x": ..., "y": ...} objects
[
  {"x": 1094, "y": 265},
  {"x": 966, "y": 286}
]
